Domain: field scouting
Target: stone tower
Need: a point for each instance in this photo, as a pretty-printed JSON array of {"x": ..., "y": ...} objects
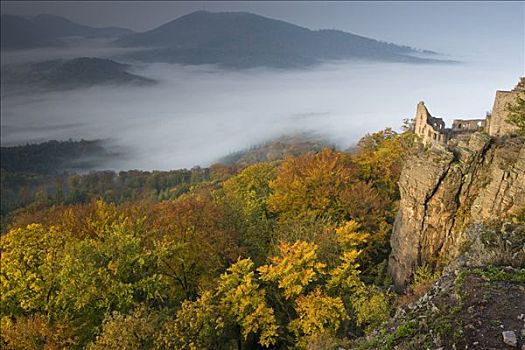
[
  {"x": 430, "y": 129},
  {"x": 497, "y": 122}
]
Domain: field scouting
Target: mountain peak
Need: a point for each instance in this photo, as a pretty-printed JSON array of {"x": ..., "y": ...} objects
[{"x": 244, "y": 40}]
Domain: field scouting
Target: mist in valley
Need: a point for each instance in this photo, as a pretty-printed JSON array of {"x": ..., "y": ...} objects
[{"x": 196, "y": 114}]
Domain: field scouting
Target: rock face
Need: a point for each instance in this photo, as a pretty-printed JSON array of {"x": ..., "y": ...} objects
[{"x": 445, "y": 190}]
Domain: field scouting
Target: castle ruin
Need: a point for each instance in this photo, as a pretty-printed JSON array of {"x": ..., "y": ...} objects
[{"x": 433, "y": 131}]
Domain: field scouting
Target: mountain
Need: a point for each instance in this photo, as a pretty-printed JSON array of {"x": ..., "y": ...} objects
[
  {"x": 46, "y": 30},
  {"x": 55, "y": 157},
  {"x": 77, "y": 72},
  {"x": 19, "y": 33},
  {"x": 240, "y": 39},
  {"x": 59, "y": 27}
]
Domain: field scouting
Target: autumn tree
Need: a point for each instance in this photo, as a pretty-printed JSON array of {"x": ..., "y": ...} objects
[
  {"x": 242, "y": 299},
  {"x": 30, "y": 269},
  {"x": 380, "y": 157},
  {"x": 193, "y": 242},
  {"x": 198, "y": 324},
  {"x": 245, "y": 196},
  {"x": 318, "y": 315},
  {"x": 368, "y": 305},
  {"x": 112, "y": 273},
  {"x": 137, "y": 330},
  {"x": 36, "y": 332},
  {"x": 294, "y": 268},
  {"x": 312, "y": 185}
]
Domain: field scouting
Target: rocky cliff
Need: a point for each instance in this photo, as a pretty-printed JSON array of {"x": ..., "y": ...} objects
[{"x": 445, "y": 190}]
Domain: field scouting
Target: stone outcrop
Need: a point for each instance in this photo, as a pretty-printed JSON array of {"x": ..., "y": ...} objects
[
  {"x": 444, "y": 190},
  {"x": 488, "y": 245}
]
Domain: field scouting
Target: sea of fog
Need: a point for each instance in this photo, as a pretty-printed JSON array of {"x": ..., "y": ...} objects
[{"x": 197, "y": 114}]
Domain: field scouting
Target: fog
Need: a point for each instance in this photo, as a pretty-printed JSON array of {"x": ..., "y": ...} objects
[
  {"x": 73, "y": 47},
  {"x": 197, "y": 114}
]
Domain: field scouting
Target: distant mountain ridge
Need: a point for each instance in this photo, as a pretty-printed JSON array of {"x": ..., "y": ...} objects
[
  {"x": 46, "y": 30},
  {"x": 242, "y": 39},
  {"x": 60, "y": 26},
  {"x": 77, "y": 72}
]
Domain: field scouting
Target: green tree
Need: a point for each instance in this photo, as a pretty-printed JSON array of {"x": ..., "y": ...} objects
[
  {"x": 111, "y": 273},
  {"x": 516, "y": 114},
  {"x": 245, "y": 196}
]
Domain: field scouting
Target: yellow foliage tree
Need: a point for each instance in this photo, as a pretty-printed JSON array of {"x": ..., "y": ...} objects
[
  {"x": 371, "y": 306},
  {"x": 30, "y": 266},
  {"x": 294, "y": 269},
  {"x": 318, "y": 314},
  {"x": 198, "y": 325},
  {"x": 137, "y": 330},
  {"x": 241, "y": 298},
  {"x": 380, "y": 157},
  {"x": 349, "y": 237},
  {"x": 312, "y": 185}
]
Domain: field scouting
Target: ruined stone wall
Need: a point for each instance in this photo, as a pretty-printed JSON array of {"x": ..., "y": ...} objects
[
  {"x": 431, "y": 130},
  {"x": 459, "y": 125},
  {"x": 445, "y": 190},
  {"x": 497, "y": 124}
]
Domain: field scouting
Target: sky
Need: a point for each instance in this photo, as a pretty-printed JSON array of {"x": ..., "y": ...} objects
[{"x": 450, "y": 27}]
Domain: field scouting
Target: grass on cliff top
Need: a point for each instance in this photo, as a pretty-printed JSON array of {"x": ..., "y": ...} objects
[
  {"x": 493, "y": 274},
  {"x": 473, "y": 308}
]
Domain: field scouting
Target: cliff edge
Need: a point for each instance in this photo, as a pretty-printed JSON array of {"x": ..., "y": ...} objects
[{"x": 446, "y": 190}]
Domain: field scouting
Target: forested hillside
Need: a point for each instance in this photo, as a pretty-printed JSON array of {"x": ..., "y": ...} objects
[{"x": 290, "y": 253}]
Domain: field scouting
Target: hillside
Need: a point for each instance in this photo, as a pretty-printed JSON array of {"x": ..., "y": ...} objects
[
  {"x": 73, "y": 73},
  {"x": 277, "y": 149},
  {"x": 55, "y": 157},
  {"x": 60, "y": 27},
  {"x": 478, "y": 298},
  {"x": 243, "y": 40},
  {"x": 396, "y": 245},
  {"x": 20, "y": 33},
  {"x": 46, "y": 30},
  {"x": 470, "y": 308}
]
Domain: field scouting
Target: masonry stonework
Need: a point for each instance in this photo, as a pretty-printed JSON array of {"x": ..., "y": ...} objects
[{"x": 433, "y": 131}]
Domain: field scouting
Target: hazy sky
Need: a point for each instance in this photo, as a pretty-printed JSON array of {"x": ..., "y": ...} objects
[{"x": 459, "y": 28}]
